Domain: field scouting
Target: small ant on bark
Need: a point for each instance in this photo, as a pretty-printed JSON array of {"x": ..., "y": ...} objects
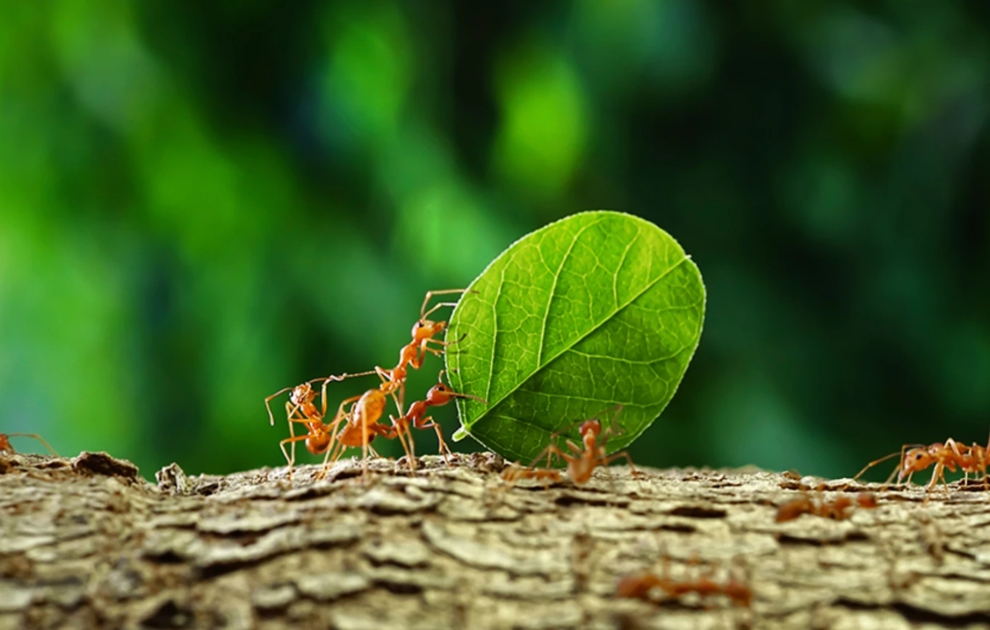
[
  {"x": 8, "y": 448},
  {"x": 644, "y": 585},
  {"x": 301, "y": 409},
  {"x": 581, "y": 460},
  {"x": 950, "y": 455},
  {"x": 415, "y": 417},
  {"x": 360, "y": 424},
  {"x": 837, "y": 509}
]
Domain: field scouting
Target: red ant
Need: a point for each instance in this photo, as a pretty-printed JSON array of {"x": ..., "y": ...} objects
[
  {"x": 642, "y": 585},
  {"x": 581, "y": 461},
  {"x": 300, "y": 408},
  {"x": 439, "y": 394},
  {"x": 361, "y": 424},
  {"x": 950, "y": 455},
  {"x": 412, "y": 354},
  {"x": 8, "y": 448},
  {"x": 837, "y": 509},
  {"x": 356, "y": 427}
]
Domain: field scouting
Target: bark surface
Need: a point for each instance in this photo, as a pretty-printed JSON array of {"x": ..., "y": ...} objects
[{"x": 86, "y": 542}]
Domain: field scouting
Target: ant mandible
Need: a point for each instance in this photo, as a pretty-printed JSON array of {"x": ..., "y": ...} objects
[
  {"x": 581, "y": 460},
  {"x": 415, "y": 416},
  {"x": 8, "y": 448}
]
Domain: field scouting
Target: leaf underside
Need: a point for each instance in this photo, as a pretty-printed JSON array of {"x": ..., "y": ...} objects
[{"x": 598, "y": 309}]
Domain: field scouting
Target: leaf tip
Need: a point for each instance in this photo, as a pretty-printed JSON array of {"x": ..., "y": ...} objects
[{"x": 460, "y": 434}]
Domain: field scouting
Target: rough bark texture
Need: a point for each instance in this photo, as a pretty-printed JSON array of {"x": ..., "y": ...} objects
[{"x": 87, "y": 542}]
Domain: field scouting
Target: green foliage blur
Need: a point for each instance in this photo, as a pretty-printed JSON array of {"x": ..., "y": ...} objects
[{"x": 202, "y": 203}]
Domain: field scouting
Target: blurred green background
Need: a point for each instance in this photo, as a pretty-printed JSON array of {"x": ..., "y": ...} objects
[{"x": 204, "y": 202}]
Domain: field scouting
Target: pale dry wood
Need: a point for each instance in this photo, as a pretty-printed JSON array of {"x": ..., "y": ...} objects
[{"x": 88, "y": 543}]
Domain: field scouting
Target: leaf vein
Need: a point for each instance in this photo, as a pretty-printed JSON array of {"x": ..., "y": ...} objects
[
  {"x": 594, "y": 328},
  {"x": 553, "y": 291}
]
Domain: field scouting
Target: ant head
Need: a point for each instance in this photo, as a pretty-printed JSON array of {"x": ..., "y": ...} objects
[
  {"x": 427, "y": 329},
  {"x": 914, "y": 460},
  {"x": 439, "y": 394},
  {"x": 591, "y": 427},
  {"x": 302, "y": 394}
]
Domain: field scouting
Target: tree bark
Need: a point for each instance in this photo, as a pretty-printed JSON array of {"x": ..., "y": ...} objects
[{"x": 87, "y": 543}]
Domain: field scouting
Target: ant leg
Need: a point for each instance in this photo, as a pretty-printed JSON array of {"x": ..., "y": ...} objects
[
  {"x": 5, "y": 444},
  {"x": 390, "y": 385},
  {"x": 335, "y": 448},
  {"x": 40, "y": 439},
  {"x": 400, "y": 400},
  {"x": 429, "y": 296},
  {"x": 342, "y": 416},
  {"x": 547, "y": 475},
  {"x": 880, "y": 461},
  {"x": 436, "y": 307},
  {"x": 623, "y": 455},
  {"x": 416, "y": 361},
  {"x": 938, "y": 472},
  {"x": 440, "y": 342},
  {"x": 549, "y": 452},
  {"x": 292, "y": 418},
  {"x": 292, "y": 440},
  {"x": 271, "y": 417},
  {"x": 326, "y": 380},
  {"x": 369, "y": 433},
  {"x": 427, "y": 423},
  {"x": 336, "y": 379},
  {"x": 575, "y": 449},
  {"x": 401, "y": 429},
  {"x": 386, "y": 377},
  {"x": 365, "y": 443},
  {"x": 331, "y": 457},
  {"x": 290, "y": 415}
]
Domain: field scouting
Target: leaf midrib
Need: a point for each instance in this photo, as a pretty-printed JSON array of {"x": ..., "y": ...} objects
[{"x": 493, "y": 404}]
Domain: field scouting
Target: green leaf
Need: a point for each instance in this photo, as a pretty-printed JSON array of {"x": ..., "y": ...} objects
[{"x": 597, "y": 309}]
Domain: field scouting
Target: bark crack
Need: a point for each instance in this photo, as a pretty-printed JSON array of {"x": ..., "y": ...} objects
[{"x": 86, "y": 542}]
